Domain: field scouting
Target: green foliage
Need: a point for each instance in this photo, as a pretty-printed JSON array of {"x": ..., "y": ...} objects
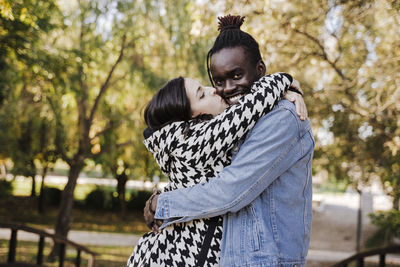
[
  {"x": 96, "y": 199},
  {"x": 22, "y": 24},
  {"x": 52, "y": 196},
  {"x": 5, "y": 189},
  {"x": 332, "y": 186},
  {"x": 101, "y": 199},
  {"x": 388, "y": 223},
  {"x": 138, "y": 200}
]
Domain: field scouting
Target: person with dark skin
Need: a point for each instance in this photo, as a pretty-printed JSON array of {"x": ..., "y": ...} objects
[{"x": 268, "y": 184}]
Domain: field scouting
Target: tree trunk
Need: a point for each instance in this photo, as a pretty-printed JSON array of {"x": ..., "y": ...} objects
[
  {"x": 359, "y": 222},
  {"x": 122, "y": 179},
  {"x": 33, "y": 189},
  {"x": 32, "y": 173},
  {"x": 64, "y": 215},
  {"x": 3, "y": 172},
  {"x": 396, "y": 203},
  {"x": 41, "y": 194}
]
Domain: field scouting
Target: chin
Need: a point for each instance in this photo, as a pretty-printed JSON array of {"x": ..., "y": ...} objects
[{"x": 233, "y": 102}]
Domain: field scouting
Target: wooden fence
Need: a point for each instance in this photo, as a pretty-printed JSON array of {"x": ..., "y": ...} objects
[{"x": 14, "y": 227}]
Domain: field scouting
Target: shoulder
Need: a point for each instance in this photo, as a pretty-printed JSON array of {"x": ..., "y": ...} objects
[
  {"x": 165, "y": 137},
  {"x": 282, "y": 119},
  {"x": 288, "y": 107},
  {"x": 284, "y": 112}
]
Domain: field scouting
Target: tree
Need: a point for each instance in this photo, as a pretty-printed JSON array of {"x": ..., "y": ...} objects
[
  {"x": 22, "y": 25},
  {"x": 23, "y": 64},
  {"x": 343, "y": 54},
  {"x": 85, "y": 91}
]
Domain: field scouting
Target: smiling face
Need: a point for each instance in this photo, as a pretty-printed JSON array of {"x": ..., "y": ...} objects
[
  {"x": 233, "y": 72},
  {"x": 203, "y": 100}
]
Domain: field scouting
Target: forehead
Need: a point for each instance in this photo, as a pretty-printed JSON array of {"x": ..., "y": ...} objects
[
  {"x": 228, "y": 59},
  {"x": 191, "y": 86}
]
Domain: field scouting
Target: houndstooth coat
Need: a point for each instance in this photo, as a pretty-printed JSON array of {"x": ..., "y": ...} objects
[{"x": 193, "y": 152}]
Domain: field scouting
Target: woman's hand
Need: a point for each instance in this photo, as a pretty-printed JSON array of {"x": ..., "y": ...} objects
[
  {"x": 149, "y": 212},
  {"x": 298, "y": 100}
]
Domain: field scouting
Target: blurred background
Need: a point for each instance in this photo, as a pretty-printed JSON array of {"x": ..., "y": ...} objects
[{"x": 75, "y": 77}]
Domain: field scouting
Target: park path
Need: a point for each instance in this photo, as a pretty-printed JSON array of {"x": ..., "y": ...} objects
[{"x": 82, "y": 237}]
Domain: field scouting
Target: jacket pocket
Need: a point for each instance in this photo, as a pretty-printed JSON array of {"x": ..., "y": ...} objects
[{"x": 254, "y": 228}]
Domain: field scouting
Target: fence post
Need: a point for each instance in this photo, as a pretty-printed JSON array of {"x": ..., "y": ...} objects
[
  {"x": 39, "y": 259},
  {"x": 12, "y": 246},
  {"x": 78, "y": 258},
  {"x": 61, "y": 255},
  {"x": 360, "y": 262},
  {"x": 382, "y": 260}
]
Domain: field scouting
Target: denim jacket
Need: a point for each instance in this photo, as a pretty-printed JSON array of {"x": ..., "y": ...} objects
[{"x": 265, "y": 195}]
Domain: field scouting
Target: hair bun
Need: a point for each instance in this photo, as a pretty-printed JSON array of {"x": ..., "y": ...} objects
[{"x": 230, "y": 22}]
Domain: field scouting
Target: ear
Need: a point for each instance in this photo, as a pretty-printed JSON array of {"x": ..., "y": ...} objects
[{"x": 261, "y": 69}]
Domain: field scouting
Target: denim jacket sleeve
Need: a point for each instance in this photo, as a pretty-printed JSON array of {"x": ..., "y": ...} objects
[{"x": 263, "y": 157}]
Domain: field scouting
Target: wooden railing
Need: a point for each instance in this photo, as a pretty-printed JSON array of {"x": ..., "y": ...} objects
[
  {"x": 360, "y": 257},
  {"x": 42, "y": 235}
]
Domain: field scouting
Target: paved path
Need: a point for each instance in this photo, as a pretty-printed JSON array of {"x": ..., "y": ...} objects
[{"x": 82, "y": 237}]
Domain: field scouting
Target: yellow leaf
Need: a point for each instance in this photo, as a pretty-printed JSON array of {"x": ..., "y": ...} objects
[{"x": 5, "y": 10}]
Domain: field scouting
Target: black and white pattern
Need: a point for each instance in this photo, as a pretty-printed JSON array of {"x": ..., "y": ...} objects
[{"x": 193, "y": 155}]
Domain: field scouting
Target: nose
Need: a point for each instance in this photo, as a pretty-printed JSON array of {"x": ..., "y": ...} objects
[
  {"x": 212, "y": 90},
  {"x": 220, "y": 91}
]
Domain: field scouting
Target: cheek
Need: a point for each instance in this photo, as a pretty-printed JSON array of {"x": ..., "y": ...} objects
[
  {"x": 245, "y": 81},
  {"x": 220, "y": 107},
  {"x": 195, "y": 110}
]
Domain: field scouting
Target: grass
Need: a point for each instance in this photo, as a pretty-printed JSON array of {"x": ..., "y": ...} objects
[
  {"x": 336, "y": 187},
  {"x": 23, "y": 187},
  {"x": 24, "y": 210}
]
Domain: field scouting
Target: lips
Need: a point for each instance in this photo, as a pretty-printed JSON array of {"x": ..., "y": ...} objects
[
  {"x": 234, "y": 99},
  {"x": 233, "y": 96}
]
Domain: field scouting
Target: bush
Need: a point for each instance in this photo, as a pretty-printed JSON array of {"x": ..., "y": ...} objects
[
  {"x": 96, "y": 199},
  {"x": 5, "y": 189},
  {"x": 138, "y": 200},
  {"x": 101, "y": 199},
  {"x": 52, "y": 196},
  {"x": 389, "y": 227}
]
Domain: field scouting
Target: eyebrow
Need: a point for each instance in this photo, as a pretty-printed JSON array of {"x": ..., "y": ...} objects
[
  {"x": 228, "y": 73},
  {"x": 235, "y": 70}
]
